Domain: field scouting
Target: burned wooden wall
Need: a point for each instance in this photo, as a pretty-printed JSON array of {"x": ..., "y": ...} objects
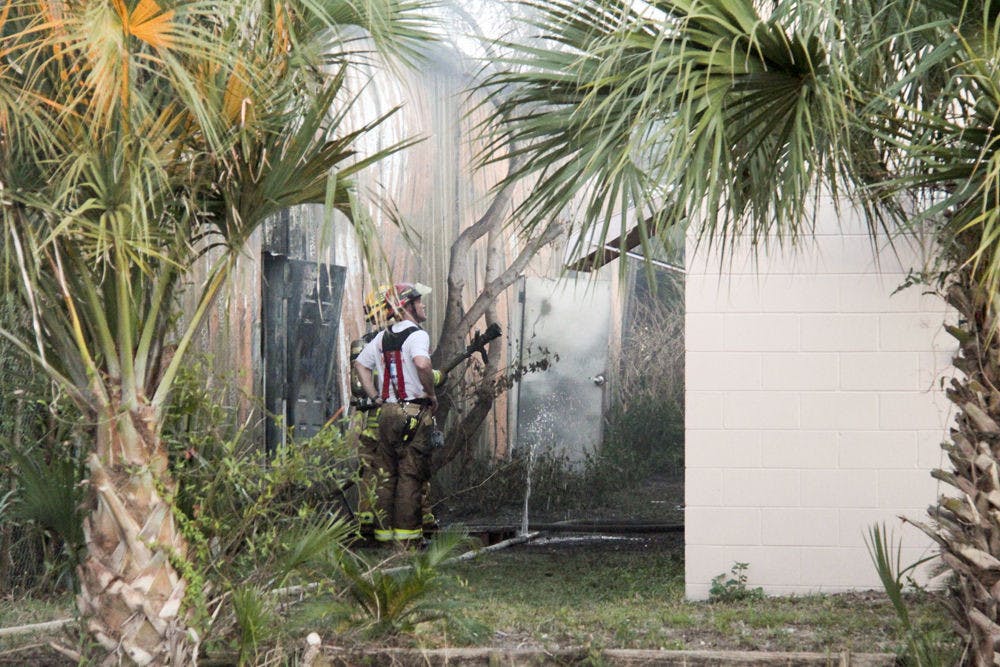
[{"x": 297, "y": 272}]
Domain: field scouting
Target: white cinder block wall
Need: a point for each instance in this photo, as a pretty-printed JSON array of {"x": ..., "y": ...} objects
[{"x": 813, "y": 410}]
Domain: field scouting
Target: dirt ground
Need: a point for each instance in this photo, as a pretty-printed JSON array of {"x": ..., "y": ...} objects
[{"x": 658, "y": 499}]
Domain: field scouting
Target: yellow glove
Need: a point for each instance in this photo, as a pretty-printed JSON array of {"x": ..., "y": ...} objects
[{"x": 439, "y": 377}]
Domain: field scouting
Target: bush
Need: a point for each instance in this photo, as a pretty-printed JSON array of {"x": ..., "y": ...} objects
[
  {"x": 395, "y": 600},
  {"x": 483, "y": 486},
  {"x": 733, "y": 588},
  {"x": 40, "y": 471},
  {"x": 252, "y": 522},
  {"x": 606, "y": 486},
  {"x": 270, "y": 537},
  {"x": 645, "y": 426}
]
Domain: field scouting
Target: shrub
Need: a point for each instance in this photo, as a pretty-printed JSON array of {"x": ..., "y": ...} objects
[
  {"x": 394, "y": 600},
  {"x": 40, "y": 471},
  {"x": 645, "y": 425},
  {"x": 733, "y": 588},
  {"x": 924, "y": 647},
  {"x": 270, "y": 536}
]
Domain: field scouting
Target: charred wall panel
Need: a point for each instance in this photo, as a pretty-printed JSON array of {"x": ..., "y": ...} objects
[{"x": 301, "y": 315}]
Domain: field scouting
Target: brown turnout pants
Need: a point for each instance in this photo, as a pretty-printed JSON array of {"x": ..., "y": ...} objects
[{"x": 406, "y": 466}]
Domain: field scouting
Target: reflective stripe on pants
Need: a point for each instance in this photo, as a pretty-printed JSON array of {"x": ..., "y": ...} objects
[{"x": 403, "y": 534}]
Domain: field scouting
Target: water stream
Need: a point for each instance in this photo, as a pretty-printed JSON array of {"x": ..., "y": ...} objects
[
  {"x": 527, "y": 485},
  {"x": 540, "y": 432}
]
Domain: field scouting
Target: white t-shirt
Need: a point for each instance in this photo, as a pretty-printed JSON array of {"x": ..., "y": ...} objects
[{"x": 417, "y": 344}]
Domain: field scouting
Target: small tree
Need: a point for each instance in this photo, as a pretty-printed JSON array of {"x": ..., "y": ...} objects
[{"x": 460, "y": 319}]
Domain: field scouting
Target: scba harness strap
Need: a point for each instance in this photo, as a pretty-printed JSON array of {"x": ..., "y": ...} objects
[{"x": 392, "y": 360}]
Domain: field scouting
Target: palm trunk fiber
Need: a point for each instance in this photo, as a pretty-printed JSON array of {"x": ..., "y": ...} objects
[
  {"x": 966, "y": 526},
  {"x": 131, "y": 592}
]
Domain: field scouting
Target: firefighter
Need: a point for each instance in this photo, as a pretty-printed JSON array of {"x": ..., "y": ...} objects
[
  {"x": 378, "y": 313},
  {"x": 407, "y": 400}
]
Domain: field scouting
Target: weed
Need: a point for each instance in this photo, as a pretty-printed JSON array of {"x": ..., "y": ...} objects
[
  {"x": 392, "y": 601},
  {"x": 678, "y": 619},
  {"x": 536, "y": 596},
  {"x": 594, "y": 657},
  {"x": 733, "y": 588},
  {"x": 255, "y": 616},
  {"x": 633, "y": 597},
  {"x": 925, "y": 647},
  {"x": 609, "y": 484}
]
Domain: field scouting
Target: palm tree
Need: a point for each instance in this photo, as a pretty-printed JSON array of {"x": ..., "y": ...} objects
[
  {"x": 734, "y": 116},
  {"x": 137, "y": 138}
]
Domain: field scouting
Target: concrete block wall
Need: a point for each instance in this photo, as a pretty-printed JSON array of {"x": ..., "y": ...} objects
[{"x": 813, "y": 408}]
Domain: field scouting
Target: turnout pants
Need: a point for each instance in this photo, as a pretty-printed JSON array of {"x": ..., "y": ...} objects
[
  {"x": 403, "y": 456},
  {"x": 369, "y": 477}
]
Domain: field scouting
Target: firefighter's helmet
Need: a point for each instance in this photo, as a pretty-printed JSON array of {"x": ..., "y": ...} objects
[
  {"x": 403, "y": 294},
  {"x": 377, "y": 308}
]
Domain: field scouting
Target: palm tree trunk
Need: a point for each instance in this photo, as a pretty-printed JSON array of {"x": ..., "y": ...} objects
[
  {"x": 966, "y": 526},
  {"x": 131, "y": 591}
]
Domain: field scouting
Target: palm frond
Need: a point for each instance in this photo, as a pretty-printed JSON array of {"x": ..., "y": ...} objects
[
  {"x": 313, "y": 549},
  {"x": 399, "y": 29},
  {"x": 257, "y": 620},
  {"x": 48, "y": 493},
  {"x": 886, "y": 555},
  {"x": 672, "y": 113}
]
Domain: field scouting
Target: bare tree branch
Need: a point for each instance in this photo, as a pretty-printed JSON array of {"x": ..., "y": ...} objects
[{"x": 496, "y": 287}]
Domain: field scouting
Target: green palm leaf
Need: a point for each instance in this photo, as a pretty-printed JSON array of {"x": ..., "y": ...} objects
[
  {"x": 663, "y": 113},
  {"x": 48, "y": 493}
]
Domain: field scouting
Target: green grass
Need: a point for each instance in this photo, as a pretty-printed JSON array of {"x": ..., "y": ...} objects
[
  {"x": 558, "y": 596},
  {"x": 634, "y": 598},
  {"x": 32, "y": 648},
  {"x": 27, "y": 610}
]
